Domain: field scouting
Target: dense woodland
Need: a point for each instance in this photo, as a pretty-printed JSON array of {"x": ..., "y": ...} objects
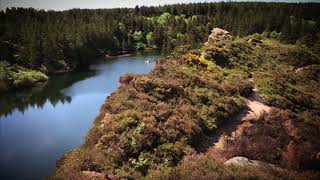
[{"x": 57, "y": 42}]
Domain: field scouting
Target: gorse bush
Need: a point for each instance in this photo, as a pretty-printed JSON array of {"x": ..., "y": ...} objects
[{"x": 196, "y": 60}]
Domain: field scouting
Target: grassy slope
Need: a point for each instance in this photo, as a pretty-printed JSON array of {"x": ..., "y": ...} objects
[
  {"x": 287, "y": 76},
  {"x": 153, "y": 121}
]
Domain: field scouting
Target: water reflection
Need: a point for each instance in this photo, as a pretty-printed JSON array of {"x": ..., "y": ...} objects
[
  {"x": 50, "y": 91},
  {"x": 32, "y": 141}
]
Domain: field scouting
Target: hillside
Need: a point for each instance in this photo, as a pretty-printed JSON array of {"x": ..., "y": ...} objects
[{"x": 156, "y": 126}]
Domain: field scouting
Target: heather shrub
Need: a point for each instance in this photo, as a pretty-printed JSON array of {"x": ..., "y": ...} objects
[
  {"x": 278, "y": 138},
  {"x": 194, "y": 167}
]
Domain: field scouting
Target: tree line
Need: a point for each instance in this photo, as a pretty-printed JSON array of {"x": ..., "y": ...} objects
[{"x": 58, "y": 41}]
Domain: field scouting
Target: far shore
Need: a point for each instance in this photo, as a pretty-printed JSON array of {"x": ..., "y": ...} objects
[
  {"x": 148, "y": 49},
  {"x": 120, "y": 55}
]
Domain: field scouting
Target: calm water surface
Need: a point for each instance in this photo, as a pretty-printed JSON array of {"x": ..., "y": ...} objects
[{"x": 38, "y": 126}]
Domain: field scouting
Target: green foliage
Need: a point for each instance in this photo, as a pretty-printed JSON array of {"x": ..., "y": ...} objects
[
  {"x": 150, "y": 39},
  {"x": 285, "y": 75},
  {"x": 137, "y": 36},
  {"x": 140, "y": 164},
  {"x": 292, "y": 89},
  {"x": 140, "y": 46},
  {"x": 275, "y": 35},
  {"x": 163, "y": 18},
  {"x": 4, "y": 76},
  {"x": 49, "y": 41},
  {"x": 240, "y": 53},
  {"x": 27, "y": 78},
  {"x": 4, "y": 65},
  {"x": 17, "y": 77}
]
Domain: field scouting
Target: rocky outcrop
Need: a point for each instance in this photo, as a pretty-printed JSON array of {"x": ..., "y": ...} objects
[
  {"x": 242, "y": 161},
  {"x": 218, "y": 35}
]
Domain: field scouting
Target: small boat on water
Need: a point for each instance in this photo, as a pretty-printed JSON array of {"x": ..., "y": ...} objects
[{"x": 147, "y": 61}]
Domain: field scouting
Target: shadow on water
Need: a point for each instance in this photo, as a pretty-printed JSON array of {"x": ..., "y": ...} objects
[{"x": 51, "y": 91}]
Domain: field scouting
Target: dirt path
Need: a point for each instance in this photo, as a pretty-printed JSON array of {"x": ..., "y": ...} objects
[{"x": 255, "y": 107}]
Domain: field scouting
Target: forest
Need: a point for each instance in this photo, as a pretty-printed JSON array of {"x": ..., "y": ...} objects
[{"x": 35, "y": 43}]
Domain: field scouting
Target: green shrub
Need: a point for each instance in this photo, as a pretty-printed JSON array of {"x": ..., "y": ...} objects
[
  {"x": 275, "y": 35},
  {"x": 257, "y": 36},
  {"x": 292, "y": 89},
  {"x": 4, "y": 65},
  {"x": 17, "y": 77},
  {"x": 140, "y": 164},
  {"x": 27, "y": 78},
  {"x": 140, "y": 46}
]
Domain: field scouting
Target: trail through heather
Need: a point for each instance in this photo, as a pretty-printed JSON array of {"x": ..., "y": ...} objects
[{"x": 255, "y": 107}]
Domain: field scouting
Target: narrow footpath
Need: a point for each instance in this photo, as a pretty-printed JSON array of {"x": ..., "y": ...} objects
[{"x": 255, "y": 107}]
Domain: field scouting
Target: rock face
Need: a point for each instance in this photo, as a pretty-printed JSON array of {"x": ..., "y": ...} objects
[
  {"x": 242, "y": 161},
  {"x": 217, "y": 35}
]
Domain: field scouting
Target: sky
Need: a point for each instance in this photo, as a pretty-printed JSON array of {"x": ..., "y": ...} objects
[{"x": 94, "y": 4}]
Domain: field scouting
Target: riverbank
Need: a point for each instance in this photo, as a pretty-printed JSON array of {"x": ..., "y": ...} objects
[
  {"x": 120, "y": 55},
  {"x": 126, "y": 54},
  {"x": 42, "y": 123},
  {"x": 18, "y": 78}
]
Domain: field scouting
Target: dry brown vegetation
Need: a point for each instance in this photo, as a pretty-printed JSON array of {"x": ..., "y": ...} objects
[
  {"x": 278, "y": 138},
  {"x": 205, "y": 166}
]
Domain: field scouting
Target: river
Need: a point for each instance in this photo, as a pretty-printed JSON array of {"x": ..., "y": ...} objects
[{"x": 38, "y": 126}]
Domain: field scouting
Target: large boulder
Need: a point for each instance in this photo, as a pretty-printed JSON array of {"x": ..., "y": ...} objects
[
  {"x": 218, "y": 35},
  {"x": 242, "y": 161}
]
